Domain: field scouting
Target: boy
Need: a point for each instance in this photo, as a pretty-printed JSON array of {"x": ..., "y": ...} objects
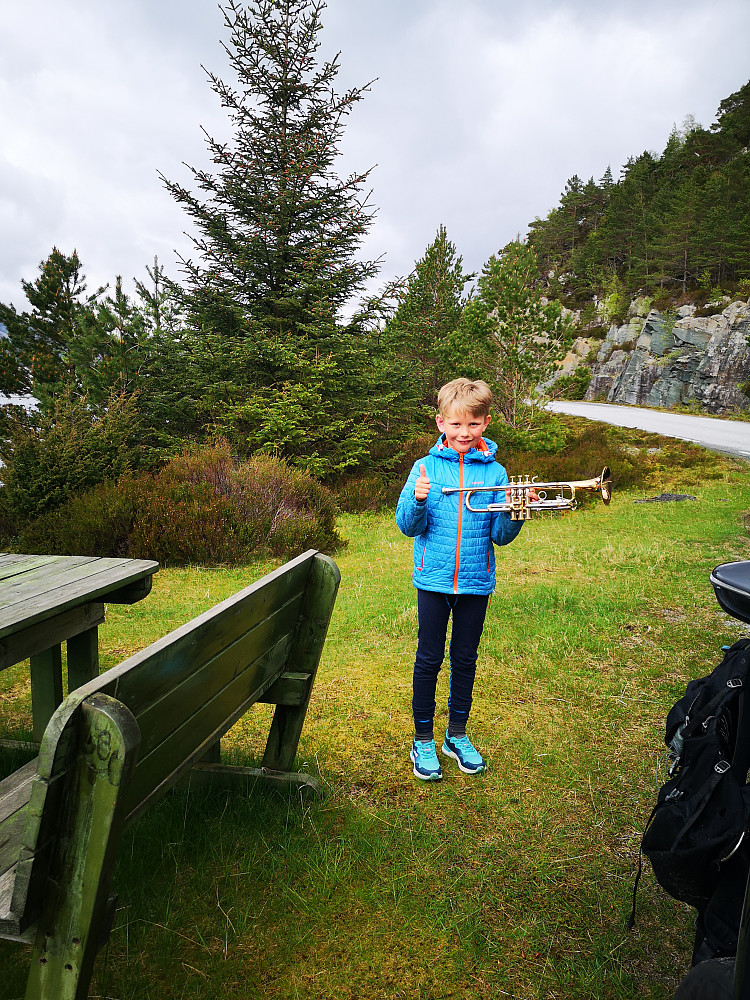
[{"x": 454, "y": 567}]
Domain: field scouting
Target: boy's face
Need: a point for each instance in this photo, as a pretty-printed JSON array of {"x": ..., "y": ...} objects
[{"x": 462, "y": 430}]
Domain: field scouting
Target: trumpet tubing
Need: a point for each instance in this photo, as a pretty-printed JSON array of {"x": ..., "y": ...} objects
[{"x": 525, "y": 496}]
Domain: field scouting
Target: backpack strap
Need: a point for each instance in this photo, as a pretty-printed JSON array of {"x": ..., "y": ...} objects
[
  {"x": 631, "y": 918},
  {"x": 703, "y": 795}
]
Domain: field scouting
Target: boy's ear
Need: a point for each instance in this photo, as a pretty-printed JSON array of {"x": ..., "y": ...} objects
[{"x": 440, "y": 422}]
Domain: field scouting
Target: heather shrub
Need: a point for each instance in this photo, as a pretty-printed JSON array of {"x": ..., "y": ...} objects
[
  {"x": 367, "y": 492},
  {"x": 203, "y": 507},
  {"x": 96, "y": 523},
  {"x": 180, "y": 523},
  {"x": 584, "y": 456}
]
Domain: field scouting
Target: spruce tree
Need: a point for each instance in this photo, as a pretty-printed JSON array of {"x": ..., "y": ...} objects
[
  {"x": 39, "y": 353},
  {"x": 429, "y": 311},
  {"x": 279, "y": 230}
]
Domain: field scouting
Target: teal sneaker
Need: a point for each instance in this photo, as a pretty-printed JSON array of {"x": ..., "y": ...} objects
[
  {"x": 470, "y": 761},
  {"x": 425, "y": 760}
]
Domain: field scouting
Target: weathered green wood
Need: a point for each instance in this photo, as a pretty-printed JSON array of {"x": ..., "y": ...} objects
[
  {"x": 132, "y": 593},
  {"x": 231, "y": 776},
  {"x": 55, "y": 573},
  {"x": 217, "y": 628},
  {"x": 83, "y": 657},
  {"x": 30, "y": 641},
  {"x": 14, "y": 564},
  {"x": 304, "y": 657},
  {"x": 46, "y": 687},
  {"x": 184, "y": 692},
  {"x": 288, "y": 689},
  {"x": 212, "y": 755},
  {"x": 160, "y": 769},
  {"x": 46, "y": 798},
  {"x": 14, "y": 799},
  {"x": 149, "y": 674},
  {"x": 244, "y": 661},
  {"x": 67, "y": 937},
  {"x": 37, "y": 595}
]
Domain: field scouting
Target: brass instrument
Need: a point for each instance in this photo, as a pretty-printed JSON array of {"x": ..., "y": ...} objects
[{"x": 549, "y": 496}]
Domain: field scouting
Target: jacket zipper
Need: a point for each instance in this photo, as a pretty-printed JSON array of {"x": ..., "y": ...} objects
[{"x": 460, "y": 516}]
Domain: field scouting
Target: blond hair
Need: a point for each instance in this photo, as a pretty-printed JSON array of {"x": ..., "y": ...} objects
[{"x": 465, "y": 396}]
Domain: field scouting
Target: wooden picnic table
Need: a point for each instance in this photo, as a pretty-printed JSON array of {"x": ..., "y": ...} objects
[{"x": 48, "y": 600}]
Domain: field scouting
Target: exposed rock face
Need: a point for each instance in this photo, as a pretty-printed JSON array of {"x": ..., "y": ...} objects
[{"x": 706, "y": 359}]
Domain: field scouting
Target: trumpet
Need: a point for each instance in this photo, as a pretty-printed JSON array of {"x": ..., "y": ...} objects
[{"x": 520, "y": 503}]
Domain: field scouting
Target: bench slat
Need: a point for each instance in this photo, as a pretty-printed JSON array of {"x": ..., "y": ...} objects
[
  {"x": 14, "y": 800},
  {"x": 187, "y": 743},
  {"x": 139, "y": 680},
  {"x": 210, "y": 675}
]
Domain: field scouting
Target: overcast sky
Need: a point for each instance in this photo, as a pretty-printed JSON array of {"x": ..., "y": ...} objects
[{"x": 481, "y": 111}]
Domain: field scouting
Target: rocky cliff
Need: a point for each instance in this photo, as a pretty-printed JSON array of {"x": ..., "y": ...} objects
[{"x": 653, "y": 360}]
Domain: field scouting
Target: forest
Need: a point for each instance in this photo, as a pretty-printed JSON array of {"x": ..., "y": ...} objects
[
  {"x": 240, "y": 404},
  {"x": 673, "y": 223}
]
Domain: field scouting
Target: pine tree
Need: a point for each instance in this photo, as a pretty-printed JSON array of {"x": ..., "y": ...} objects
[
  {"x": 510, "y": 335},
  {"x": 279, "y": 230}
]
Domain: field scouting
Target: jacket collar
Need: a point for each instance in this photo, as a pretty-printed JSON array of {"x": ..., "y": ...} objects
[{"x": 485, "y": 452}]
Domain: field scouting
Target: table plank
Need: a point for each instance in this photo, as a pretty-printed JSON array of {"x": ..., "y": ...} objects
[
  {"x": 28, "y": 641},
  {"x": 49, "y": 576},
  {"x": 33, "y": 598},
  {"x": 12, "y": 564}
]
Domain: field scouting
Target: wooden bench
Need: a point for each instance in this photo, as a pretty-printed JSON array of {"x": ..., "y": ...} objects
[{"x": 122, "y": 740}]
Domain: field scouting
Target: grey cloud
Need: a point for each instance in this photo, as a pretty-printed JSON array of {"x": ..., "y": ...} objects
[{"x": 481, "y": 111}]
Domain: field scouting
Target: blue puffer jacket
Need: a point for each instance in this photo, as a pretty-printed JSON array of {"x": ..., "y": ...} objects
[{"x": 453, "y": 551}]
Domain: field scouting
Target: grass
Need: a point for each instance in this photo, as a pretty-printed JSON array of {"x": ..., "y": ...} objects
[{"x": 514, "y": 884}]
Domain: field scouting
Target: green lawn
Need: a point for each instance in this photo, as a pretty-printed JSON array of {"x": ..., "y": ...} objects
[{"x": 516, "y": 883}]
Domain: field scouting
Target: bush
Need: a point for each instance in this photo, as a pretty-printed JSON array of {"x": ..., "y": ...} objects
[
  {"x": 380, "y": 490},
  {"x": 588, "y": 449},
  {"x": 203, "y": 507},
  {"x": 574, "y": 385},
  {"x": 49, "y": 458},
  {"x": 545, "y": 435}
]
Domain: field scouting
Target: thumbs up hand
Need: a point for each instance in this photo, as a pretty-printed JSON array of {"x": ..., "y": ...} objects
[{"x": 422, "y": 485}]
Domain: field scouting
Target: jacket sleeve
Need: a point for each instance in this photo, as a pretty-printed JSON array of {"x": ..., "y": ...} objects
[
  {"x": 411, "y": 514},
  {"x": 503, "y": 529}
]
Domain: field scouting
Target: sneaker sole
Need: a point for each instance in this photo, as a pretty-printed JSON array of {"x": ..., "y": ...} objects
[
  {"x": 435, "y": 776},
  {"x": 461, "y": 765}
]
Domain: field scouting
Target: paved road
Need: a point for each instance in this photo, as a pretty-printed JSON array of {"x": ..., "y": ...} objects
[{"x": 731, "y": 436}]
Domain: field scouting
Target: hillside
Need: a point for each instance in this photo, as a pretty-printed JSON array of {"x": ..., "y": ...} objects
[
  {"x": 674, "y": 224},
  {"x": 696, "y": 357}
]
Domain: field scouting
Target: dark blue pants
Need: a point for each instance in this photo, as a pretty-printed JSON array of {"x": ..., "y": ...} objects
[{"x": 434, "y": 609}]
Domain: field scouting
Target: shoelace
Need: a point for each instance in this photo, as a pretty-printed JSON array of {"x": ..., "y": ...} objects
[
  {"x": 465, "y": 745},
  {"x": 425, "y": 750}
]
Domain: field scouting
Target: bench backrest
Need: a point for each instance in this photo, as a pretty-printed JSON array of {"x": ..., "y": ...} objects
[{"x": 182, "y": 694}]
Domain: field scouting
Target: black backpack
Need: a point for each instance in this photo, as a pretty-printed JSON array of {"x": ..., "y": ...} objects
[{"x": 697, "y": 837}]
